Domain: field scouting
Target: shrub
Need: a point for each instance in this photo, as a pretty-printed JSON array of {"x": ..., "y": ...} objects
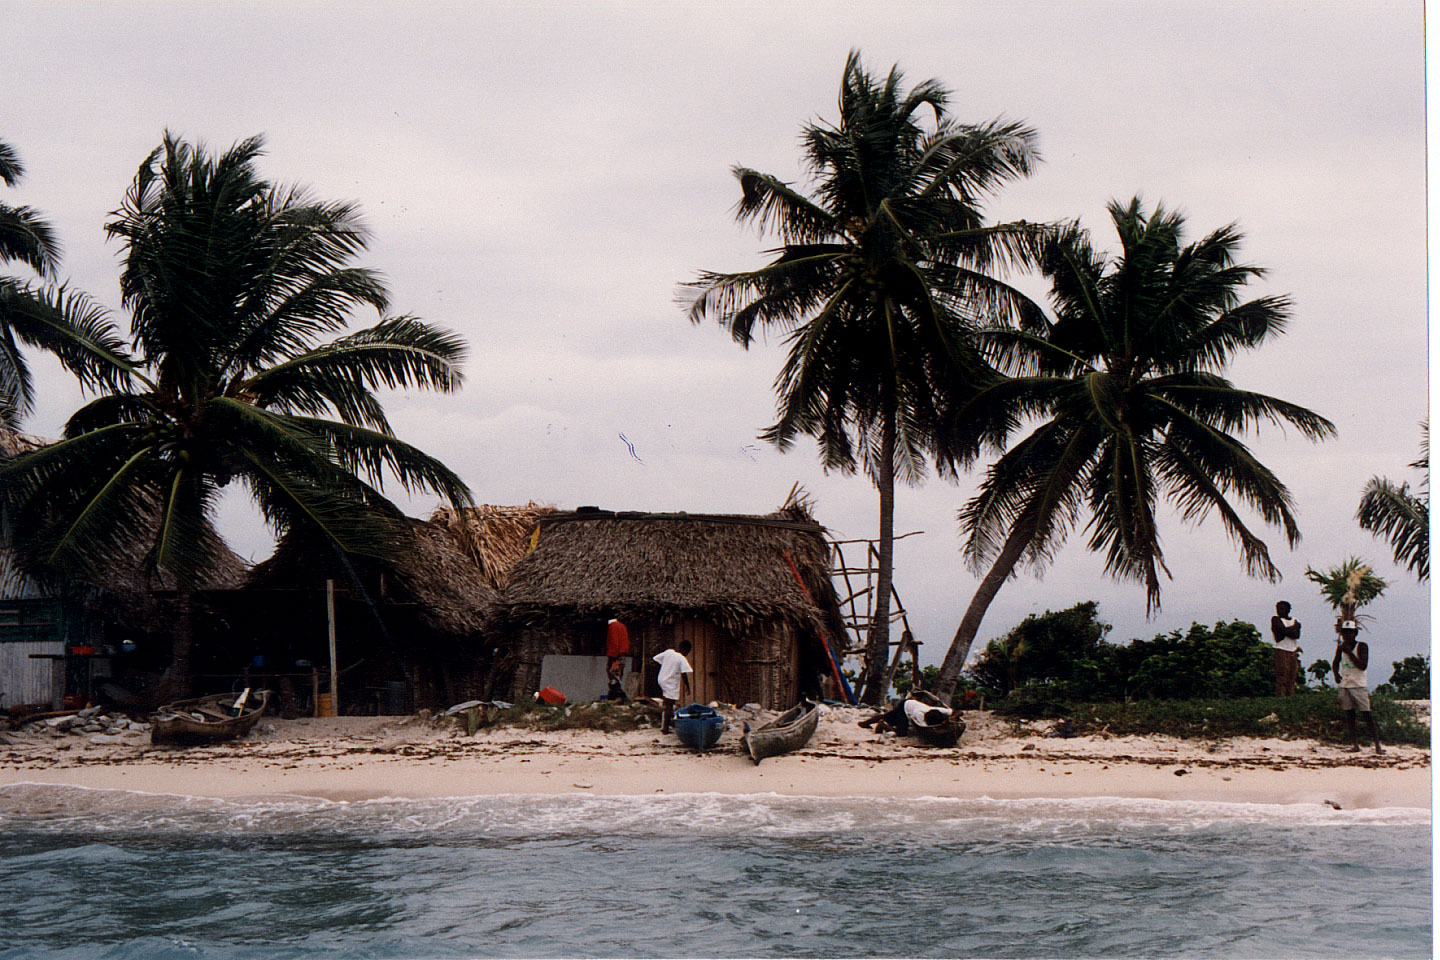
[
  {"x": 1313, "y": 714},
  {"x": 1409, "y": 679}
]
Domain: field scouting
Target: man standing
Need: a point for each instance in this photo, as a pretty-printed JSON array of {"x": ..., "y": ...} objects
[
  {"x": 617, "y": 648},
  {"x": 674, "y": 676},
  {"x": 1285, "y": 633},
  {"x": 1351, "y": 659}
]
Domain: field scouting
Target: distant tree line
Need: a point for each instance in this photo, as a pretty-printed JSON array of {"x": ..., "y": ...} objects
[{"x": 1064, "y": 656}]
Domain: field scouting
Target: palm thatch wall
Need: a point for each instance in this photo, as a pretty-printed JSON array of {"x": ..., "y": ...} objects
[
  {"x": 494, "y": 537},
  {"x": 728, "y": 582}
]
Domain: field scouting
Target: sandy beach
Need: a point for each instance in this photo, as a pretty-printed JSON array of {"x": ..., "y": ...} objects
[{"x": 355, "y": 758}]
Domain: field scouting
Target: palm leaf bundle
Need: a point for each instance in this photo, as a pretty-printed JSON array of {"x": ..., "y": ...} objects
[{"x": 1350, "y": 585}]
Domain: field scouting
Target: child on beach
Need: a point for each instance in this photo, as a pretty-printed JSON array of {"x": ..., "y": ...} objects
[
  {"x": 674, "y": 676},
  {"x": 1351, "y": 659}
]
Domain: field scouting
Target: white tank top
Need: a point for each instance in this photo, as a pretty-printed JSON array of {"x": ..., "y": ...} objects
[{"x": 1350, "y": 673}]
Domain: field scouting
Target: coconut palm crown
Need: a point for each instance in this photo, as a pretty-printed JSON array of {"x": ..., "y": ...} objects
[
  {"x": 1124, "y": 394},
  {"x": 233, "y": 287},
  {"x": 880, "y": 271},
  {"x": 37, "y": 314}
]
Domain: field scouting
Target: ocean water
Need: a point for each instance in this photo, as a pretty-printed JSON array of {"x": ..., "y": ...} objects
[{"x": 112, "y": 874}]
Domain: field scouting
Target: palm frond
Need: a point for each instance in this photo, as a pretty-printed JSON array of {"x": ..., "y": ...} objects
[
  {"x": 27, "y": 237},
  {"x": 1396, "y": 515}
]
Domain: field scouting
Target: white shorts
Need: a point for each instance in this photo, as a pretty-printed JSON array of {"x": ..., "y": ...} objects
[{"x": 1355, "y": 698}]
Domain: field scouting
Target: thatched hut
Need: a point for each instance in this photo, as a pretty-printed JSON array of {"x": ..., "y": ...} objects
[
  {"x": 751, "y": 593},
  {"x": 127, "y": 603},
  {"x": 412, "y": 622}
]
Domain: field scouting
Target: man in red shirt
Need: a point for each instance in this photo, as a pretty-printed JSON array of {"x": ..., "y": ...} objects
[{"x": 617, "y": 648}]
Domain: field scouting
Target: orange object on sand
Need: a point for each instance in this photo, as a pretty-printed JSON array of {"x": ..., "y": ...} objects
[{"x": 551, "y": 696}]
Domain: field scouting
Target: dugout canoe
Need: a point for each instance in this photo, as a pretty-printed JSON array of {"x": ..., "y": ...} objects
[
  {"x": 788, "y": 732},
  {"x": 208, "y": 719}
]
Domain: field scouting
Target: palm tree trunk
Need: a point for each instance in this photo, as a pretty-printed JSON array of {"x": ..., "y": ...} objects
[
  {"x": 176, "y": 682},
  {"x": 1010, "y": 554},
  {"x": 877, "y": 646}
]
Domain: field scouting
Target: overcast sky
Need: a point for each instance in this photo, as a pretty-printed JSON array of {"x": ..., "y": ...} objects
[{"x": 541, "y": 176}]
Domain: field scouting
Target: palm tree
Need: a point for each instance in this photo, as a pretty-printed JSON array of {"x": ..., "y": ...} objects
[
  {"x": 1125, "y": 394},
  {"x": 48, "y": 318},
  {"x": 1400, "y": 516},
  {"x": 878, "y": 274},
  {"x": 232, "y": 284}
]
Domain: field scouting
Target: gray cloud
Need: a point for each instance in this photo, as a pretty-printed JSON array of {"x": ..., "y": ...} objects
[{"x": 541, "y": 176}]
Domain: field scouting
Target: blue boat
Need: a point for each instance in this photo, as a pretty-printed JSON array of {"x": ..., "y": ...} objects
[{"x": 698, "y": 727}]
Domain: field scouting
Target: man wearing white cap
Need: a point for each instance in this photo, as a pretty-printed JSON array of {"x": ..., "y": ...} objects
[{"x": 1351, "y": 659}]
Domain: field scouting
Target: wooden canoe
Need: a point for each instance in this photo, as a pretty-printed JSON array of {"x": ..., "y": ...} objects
[
  {"x": 207, "y": 719},
  {"x": 699, "y": 727},
  {"x": 788, "y": 732}
]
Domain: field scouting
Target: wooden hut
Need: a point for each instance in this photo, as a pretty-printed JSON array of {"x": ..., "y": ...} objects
[
  {"x": 752, "y": 594},
  {"x": 411, "y": 623}
]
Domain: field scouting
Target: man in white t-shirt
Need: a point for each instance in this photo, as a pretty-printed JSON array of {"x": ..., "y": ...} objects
[{"x": 674, "y": 677}]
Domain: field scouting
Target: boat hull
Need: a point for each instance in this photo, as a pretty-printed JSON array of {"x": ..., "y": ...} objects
[
  {"x": 786, "y": 733},
  {"x": 698, "y": 727},
  {"x": 206, "y": 720}
]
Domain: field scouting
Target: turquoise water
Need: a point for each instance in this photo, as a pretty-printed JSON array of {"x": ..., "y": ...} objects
[{"x": 121, "y": 875}]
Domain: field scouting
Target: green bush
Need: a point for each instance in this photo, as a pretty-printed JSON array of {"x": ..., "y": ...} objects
[
  {"x": 1313, "y": 714},
  {"x": 1067, "y": 655},
  {"x": 1409, "y": 679}
]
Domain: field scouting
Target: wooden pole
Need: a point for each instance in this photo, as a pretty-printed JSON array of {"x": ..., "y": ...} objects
[{"x": 334, "y": 663}]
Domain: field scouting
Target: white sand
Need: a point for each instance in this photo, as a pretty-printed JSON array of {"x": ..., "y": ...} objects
[{"x": 367, "y": 757}]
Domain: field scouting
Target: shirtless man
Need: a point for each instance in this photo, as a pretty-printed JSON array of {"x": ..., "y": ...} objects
[{"x": 1351, "y": 659}]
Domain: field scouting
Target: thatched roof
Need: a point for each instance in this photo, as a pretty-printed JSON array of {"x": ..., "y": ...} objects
[
  {"x": 125, "y": 577},
  {"x": 13, "y": 443},
  {"x": 734, "y": 570},
  {"x": 429, "y": 571},
  {"x": 495, "y": 537}
]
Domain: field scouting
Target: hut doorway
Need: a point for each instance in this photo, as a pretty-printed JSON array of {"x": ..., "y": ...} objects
[{"x": 704, "y": 658}]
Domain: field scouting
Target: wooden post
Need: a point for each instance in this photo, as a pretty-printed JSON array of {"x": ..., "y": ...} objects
[
  {"x": 315, "y": 691},
  {"x": 334, "y": 663}
]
